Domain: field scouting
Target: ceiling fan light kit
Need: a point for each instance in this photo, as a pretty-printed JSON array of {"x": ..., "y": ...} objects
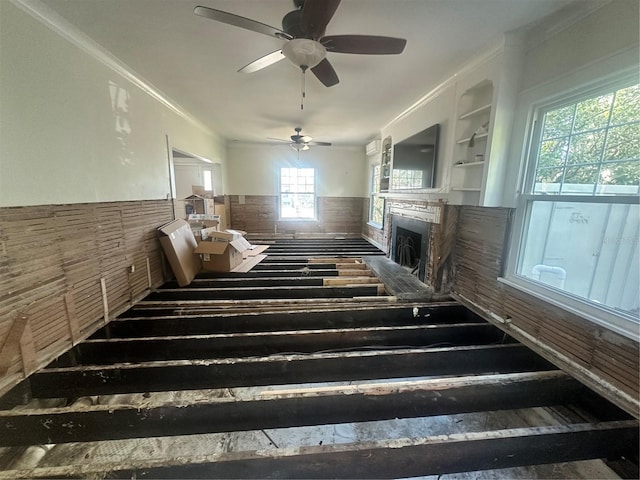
[
  {"x": 300, "y": 146},
  {"x": 304, "y": 53}
]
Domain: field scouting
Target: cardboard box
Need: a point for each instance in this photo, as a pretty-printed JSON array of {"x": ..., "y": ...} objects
[
  {"x": 226, "y": 235},
  {"x": 178, "y": 243},
  {"x": 222, "y": 255},
  {"x": 200, "y": 221}
]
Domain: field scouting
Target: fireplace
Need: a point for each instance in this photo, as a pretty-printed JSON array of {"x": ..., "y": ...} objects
[{"x": 410, "y": 243}]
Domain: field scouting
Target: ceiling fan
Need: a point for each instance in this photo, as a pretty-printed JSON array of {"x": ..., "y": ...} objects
[
  {"x": 302, "y": 142},
  {"x": 306, "y": 44}
]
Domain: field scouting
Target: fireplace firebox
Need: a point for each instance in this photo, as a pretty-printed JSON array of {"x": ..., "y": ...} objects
[{"x": 410, "y": 244}]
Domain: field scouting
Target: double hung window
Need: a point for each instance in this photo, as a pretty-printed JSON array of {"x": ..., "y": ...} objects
[
  {"x": 577, "y": 226},
  {"x": 376, "y": 207},
  {"x": 297, "y": 193}
]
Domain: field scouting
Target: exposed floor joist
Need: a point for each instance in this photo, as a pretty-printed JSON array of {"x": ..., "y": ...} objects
[{"x": 228, "y": 379}]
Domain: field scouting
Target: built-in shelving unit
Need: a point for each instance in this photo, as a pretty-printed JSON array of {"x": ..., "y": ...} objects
[
  {"x": 472, "y": 132},
  {"x": 385, "y": 165}
]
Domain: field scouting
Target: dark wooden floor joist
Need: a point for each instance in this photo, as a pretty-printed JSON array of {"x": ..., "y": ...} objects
[
  {"x": 283, "y": 369},
  {"x": 291, "y": 408},
  {"x": 141, "y": 322},
  {"x": 382, "y": 459},
  {"x": 305, "y": 339},
  {"x": 179, "y": 347}
]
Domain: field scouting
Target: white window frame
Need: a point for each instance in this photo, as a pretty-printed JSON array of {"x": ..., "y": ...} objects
[
  {"x": 614, "y": 320},
  {"x": 314, "y": 193}
]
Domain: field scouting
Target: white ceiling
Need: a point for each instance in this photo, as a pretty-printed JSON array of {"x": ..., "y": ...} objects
[{"x": 194, "y": 60}]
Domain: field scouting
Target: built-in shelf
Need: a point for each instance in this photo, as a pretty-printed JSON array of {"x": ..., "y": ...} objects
[
  {"x": 477, "y": 111},
  {"x": 472, "y": 149},
  {"x": 468, "y": 164},
  {"x": 477, "y": 137}
]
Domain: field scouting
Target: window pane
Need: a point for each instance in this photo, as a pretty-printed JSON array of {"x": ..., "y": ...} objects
[
  {"x": 548, "y": 180},
  {"x": 377, "y": 210},
  {"x": 375, "y": 179},
  {"x": 625, "y": 176},
  {"x": 586, "y": 148},
  {"x": 557, "y": 123},
  {"x": 208, "y": 183},
  {"x": 553, "y": 153},
  {"x": 627, "y": 105},
  {"x": 580, "y": 180},
  {"x": 623, "y": 143},
  {"x": 593, "y": 113},
  {"x": 586, "y": 249}
]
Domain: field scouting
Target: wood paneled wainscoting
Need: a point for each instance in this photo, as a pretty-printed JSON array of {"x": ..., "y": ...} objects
[
  {"x": 66, "y": 269},
  {"x": 600, "y": 358},
  {"x": 259, "y": 214}
]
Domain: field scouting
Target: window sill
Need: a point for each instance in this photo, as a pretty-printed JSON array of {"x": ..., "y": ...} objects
[
  {"x": 377, "y": 226},
  {"x": 619, "y": 323}
]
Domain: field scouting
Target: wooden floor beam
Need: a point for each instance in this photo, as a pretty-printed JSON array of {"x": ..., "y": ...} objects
[
  {"x": 249, "y": 293},
  {"x": 138, "y": 322},
  {"x": 283, "y": 369},
  {"x": 381, "y": 459},
  {"x": 328, "y": 405},
  {"x": 179, "y": 347}
]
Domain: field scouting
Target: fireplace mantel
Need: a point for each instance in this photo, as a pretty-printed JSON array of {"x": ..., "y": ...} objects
[{"x": 428, "y": 213}]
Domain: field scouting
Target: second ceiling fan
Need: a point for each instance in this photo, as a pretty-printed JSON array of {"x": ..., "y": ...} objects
[
  {"x": 306, "y": 44},
  {"x": 302, "y": 142}
]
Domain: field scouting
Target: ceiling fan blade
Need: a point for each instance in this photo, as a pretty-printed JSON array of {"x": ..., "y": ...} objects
[
  {"x": 262, "y": 62},
  {"x": 319, "y": 144},
  {"x": 279, "y": 140},
  {"x": 364, "y": 44},
  {"x": 325, "y": 73},
  {"x": 316, "y": 14},
  {"x": 242, "y": 22}
]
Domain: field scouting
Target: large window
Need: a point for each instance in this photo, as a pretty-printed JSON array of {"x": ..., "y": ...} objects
[
  {"x": 578, "y": 222},
  {"x": 297, "y": 193},
  {"x": 376, "y": 207}
]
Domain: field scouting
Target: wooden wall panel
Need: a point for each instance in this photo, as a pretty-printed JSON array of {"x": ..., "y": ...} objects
[
  {"x": 52, "y": 260},
  {"x": 259, "y": 214},
  {"x": 604, "y": 360}
]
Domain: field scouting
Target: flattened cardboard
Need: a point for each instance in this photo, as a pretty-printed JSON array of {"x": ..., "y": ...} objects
[
  {"x": 248, "y": 263},
  {"x": 178, "y": 243},
  {"x": 254, "y": 251}
]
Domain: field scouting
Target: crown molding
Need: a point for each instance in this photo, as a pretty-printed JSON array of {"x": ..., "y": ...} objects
[
  {"x": 469, "y": 66},
  {"x": 45, "y": 15}
]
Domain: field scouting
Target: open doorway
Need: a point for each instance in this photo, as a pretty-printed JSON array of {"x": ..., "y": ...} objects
[{"x": 197, "y": 185}]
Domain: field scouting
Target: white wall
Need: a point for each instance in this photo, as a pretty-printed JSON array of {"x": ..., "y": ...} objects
[
  {"x": 253, "y": 169},
  {"x": 74, "y": 130}
]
